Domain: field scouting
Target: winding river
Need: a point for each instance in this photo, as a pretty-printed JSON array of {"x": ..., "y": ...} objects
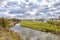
[{"x": 30, "y": 34}]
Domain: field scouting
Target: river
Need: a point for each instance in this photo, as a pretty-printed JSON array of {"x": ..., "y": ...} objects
[{"x": 30, "y": 34}]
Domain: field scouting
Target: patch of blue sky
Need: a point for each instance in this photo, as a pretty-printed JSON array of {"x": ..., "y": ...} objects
[
  {"x": 17, "y": 11},
  {"x": 56, "y": 4},
  {"x": 22, "y": 5},
  {"x": 6, "y": 6},
  {"x": 1, "y": 0},
  {"x": 3, "y": 10},
  {"x": 10, "y": 3},
  {"x": 33, "y": 6}
]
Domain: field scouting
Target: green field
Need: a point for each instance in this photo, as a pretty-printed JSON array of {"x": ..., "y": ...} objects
[{"x": 48, "y": 26}]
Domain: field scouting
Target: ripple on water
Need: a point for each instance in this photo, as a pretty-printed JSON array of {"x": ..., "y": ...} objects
[{"x": 30, "y": 34}]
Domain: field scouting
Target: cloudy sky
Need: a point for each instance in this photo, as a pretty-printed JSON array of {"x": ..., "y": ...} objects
[{"x": 30, "y": 8}]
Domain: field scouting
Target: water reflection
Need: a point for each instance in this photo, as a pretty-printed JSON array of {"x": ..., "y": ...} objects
[{"x": 30, "y": 34}]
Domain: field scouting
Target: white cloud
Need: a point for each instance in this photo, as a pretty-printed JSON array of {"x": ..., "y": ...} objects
[
  {"x": 43, "y": 2},
  {"x": 31, "y": 7},
  {"x": 32, "y": 12}
]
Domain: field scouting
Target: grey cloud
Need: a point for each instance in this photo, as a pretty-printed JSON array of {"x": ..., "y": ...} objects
[
  {"x": 57, "y": 13},
  {"x": 6, "y": 6},
  {"x": 22, "y": 5},
  {"x": 27, "y": 0},
  {"x": 3, "y": 10},
  {"x": 50, "y": 0},
  {"x": 1, "y": 0},
  {"x": 56, "y": 4},
  {"x": 24, "y": 8},
  {"x": 17, "y": 11},
  {"x": 39, "y": 0},
  {"x": 10, "y": 3},
  {"x": 33, "y": 6},
  {"x": 43, "y": 10}
]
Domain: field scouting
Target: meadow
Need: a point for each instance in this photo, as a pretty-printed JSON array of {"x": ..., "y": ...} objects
[{"x": 52, "y": 26}]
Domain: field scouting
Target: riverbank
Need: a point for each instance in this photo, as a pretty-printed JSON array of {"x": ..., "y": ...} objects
[
  {"x": 9, "y": 35},
  {"x": 31, "y": 34},
  {"x": 5, "y": 32},
  {"x": 45, "y": 27}
]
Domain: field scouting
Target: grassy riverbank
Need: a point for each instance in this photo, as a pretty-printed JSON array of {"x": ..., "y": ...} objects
[
  {"x": 5, "y": 32},
  {"x": 9, "y": 35},
  {"x": 49, "y": 26}
]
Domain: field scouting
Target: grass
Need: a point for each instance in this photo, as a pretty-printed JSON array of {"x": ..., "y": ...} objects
[
  {"x": 46, "y": 27},
  {"x": 9, "y": 35},
  {"x": 5, "y": 32}
]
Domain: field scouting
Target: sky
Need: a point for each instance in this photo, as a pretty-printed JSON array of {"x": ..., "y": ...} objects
[{"x": 29, "y": 8}]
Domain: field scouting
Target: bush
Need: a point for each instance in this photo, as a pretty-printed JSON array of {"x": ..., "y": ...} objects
[
  {"x": 4, "y": 22},
  {"x": 51, "y": 22}
]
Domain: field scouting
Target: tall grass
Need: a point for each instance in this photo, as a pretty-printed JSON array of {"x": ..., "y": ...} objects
[
  {"x": 46, "y": 27},
  {"x": 5, "y": 32}
]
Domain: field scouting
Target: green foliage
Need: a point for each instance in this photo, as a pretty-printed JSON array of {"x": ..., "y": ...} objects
[
  {"x": 52, "y": 22},
  {"x": 4, "y": 22},
  {"x": 49, "y": 26}
]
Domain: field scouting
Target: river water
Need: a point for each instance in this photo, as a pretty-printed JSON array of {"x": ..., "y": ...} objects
[{"x": 30, "y": 34}]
